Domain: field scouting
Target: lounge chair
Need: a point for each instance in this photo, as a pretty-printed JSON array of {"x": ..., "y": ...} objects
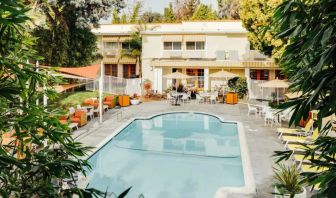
[
  {"x": 109, "y": 101},
  {"x": 290, "y": 138},
  {"x": 305, "y": 130},
  {"x": 312, "y": 169},
  {"x": 78, "y": 116},
  {"x": 298, "y": 147}
]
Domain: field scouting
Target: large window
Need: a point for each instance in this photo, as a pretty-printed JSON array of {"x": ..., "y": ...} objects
[
  {"x": 110, "y": 45},
  {"x": 172, "y": 45},
  {"x": 259, "y": 74},
  {"x": 279, "y": 75},
  {"x": 198, "y": 80},
  {"x": 129, "y": 70},
  {"x": 126, "y": 45},
  {"x": 198, "y": 45},
  {"x": 111, "y": 70}
]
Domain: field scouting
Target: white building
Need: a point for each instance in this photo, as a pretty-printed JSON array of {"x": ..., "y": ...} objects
[{"x": 196, "y": 48}]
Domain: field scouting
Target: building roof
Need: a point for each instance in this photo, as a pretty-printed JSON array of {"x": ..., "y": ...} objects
[{"x": 185, "y": 27}]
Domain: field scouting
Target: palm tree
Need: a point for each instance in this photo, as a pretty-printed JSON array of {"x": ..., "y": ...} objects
[{"x": 135, "y": 44}]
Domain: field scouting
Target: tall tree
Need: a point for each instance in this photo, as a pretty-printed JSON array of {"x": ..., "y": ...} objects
[
  {"x": 38, "y": 156},
  {"x": 151, "y": 17},
  {"x": 204, "y": 12},
  {"x": 169, "y": 16},
  {"x": 190, "y": 7},
  {"x": 67, "y": 26},
  {"x": 228, "y": 9},
  {"x": 134, "y": 18},
  {"x": 115, "y": 17},
  {"x": 309, "y": 61},
  {"x": 256, "y": 16},
  {"x": 123, "y": 19}
]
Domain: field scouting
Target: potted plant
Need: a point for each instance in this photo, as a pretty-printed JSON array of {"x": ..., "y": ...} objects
[
  {"x": 288, "y": 182},
  {"x": 135, "y": 99}
]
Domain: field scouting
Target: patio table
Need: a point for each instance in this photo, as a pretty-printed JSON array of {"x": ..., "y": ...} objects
[{"x": 176, "y": 96}]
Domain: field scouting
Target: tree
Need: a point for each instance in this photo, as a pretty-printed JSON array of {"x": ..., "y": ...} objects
[
  {"x": 115, "y": 17},
  {"x": 228, "y": 9},
  {"x": 67, "y": 26},
  {"x": 169, "y": 16},
  {"x": 134, "y": 18},
  {"x": 204, "y": 12},
  {"x": 309, "y": 60},
  {"x": 135, "y": 43},
  {"x": 256, "y": 16},
  {"x": 123, "y": 19},
  {"x": 39, "y": 154},
  {"x": 190, "y": 7},
  {"x": 151, "y": 17}
]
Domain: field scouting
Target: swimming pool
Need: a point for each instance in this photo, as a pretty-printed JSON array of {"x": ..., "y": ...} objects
[{"x": 176, "y": 155}]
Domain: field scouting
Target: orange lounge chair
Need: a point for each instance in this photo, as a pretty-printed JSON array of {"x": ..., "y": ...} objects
[
  {"x": 109, "y": 101},
  {"x": 79, "y": 117}
]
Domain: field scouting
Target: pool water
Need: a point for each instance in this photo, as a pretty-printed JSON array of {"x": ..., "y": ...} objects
[{"x": 179, "y": 155}]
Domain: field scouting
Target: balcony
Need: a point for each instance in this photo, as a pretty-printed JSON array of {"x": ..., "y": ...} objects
[
  {"x": 256, "y": 55},
  {"x": 110, "y": 53}
]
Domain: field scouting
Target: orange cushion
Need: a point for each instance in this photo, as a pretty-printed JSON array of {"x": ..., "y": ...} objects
[
  {"x": 109, "y": 98},
  {"x": 75, "y": 119}
]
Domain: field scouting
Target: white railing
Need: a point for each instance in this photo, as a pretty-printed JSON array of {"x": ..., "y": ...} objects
[
  {"x": 118, "y": 86},
  {"x": 256, "y": 92}
]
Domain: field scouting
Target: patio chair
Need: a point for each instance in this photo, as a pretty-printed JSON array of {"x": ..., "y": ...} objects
[
  {"x": 78, "y": 116},
  {"x": 252, "y": 110},
  {"x": 109, "y": 101},
  {"x": 91, "y": 102},
  {"x": 185, "y": 98},
  {"x": 199, "y": 99},
  {"x": 269, "y": 118},
  {"x": 213, "y": 99},
  {"x": 170, "y": 98}
]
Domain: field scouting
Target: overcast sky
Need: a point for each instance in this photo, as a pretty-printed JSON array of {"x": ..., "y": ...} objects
[{"x": 159, "y": 5}]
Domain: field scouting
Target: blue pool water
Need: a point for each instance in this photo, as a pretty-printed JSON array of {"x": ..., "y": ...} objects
[{"x": 178, "y": 155}]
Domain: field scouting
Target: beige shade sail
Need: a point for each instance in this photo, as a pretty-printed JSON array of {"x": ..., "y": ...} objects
[
  {"x": 177, "y": 75},
  {"x": 223, "y": 74},
  {"x": 275, "y": 84}
]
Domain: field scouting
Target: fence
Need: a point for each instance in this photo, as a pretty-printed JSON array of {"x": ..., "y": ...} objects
[{"x": 118, "y": 86}]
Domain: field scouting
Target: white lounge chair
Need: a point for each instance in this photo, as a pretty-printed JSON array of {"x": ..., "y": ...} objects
[
  {"x": 252, "y": 110},
  {"x": 199, "y": 99}
]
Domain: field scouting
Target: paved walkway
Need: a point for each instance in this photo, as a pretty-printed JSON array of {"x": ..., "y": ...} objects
[{"x": 261, "y": 140}]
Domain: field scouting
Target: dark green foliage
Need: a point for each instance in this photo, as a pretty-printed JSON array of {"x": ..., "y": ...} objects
[
  {"x": 309, "y": 62},
  {"x": 241, "y": 87}
]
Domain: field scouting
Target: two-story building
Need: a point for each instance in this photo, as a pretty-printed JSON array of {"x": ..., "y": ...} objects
[
  {"x": 196, "y": 48},
  {"x": 111, "y": 40}
]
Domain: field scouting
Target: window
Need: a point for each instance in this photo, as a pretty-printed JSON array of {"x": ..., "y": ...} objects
[
  {"x": 110, "y": 45},
  {"x": 259, "y": 74},
  {"x": 199, "y": 80},
  {"x": 172, "y": 45},
  {"x": 129, "y": 70},
  {"x": 279, "y": 75},
  {"x": 198, "y": 45},
  {"x": 111, "y": 70},
  {"x": 126, "y": 45}
]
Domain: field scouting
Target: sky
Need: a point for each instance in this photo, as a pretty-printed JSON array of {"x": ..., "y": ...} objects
[{"x": 159, "y": 5}]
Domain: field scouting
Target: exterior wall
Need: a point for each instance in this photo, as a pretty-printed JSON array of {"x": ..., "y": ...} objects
[
  {"x": 152, "y": 46},
  {"x": 227, "y": 42}
]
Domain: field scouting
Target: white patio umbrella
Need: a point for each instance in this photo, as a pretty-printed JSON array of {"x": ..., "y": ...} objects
[
  {"x": 277, "y": 84},
  {"x": 178, "y": 76},
  {"x": 223, "y": 75}
]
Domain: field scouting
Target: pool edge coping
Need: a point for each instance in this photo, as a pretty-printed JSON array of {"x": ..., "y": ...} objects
[{"x": 222, "y": 192}]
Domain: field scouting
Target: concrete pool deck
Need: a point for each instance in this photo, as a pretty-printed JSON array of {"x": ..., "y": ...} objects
[{"x": 261, "y": 140}]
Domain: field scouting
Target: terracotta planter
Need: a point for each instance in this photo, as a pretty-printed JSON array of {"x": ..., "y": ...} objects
[{"x": 301, "y": 195}]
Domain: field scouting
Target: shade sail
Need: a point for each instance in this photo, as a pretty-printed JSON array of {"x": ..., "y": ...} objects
[
  {"x": 177, "y": 75},
  {"x": 68, "y": 76},
  {"x": 223, "y": 74},
  {"x": 90, "y": 72},
  {"x": 275, "y": 84},
  {"x": 62, "y": 88}
]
